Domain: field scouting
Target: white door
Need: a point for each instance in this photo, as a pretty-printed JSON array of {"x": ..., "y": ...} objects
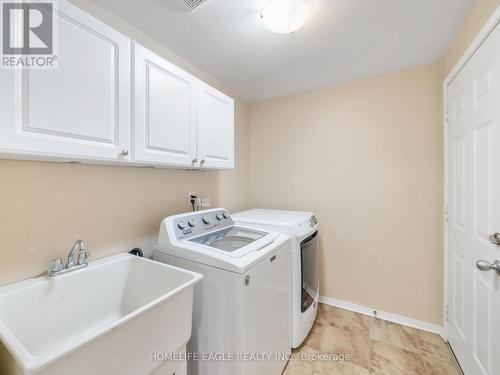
[
  {"x": 165, "y": 111},
  {"x": 474, "y": 211},
  {"x": 215, "y": 128},
  {"x": 81, "y": 109}
]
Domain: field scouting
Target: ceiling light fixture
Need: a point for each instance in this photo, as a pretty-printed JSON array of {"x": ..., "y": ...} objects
[{"x": 286, "y": 16}]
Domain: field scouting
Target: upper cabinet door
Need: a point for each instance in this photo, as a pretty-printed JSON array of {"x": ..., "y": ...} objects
[
  {"x": 81, "y": 109},
  {"x": 165, "y": 111},
  {"x": 215, "y": 128}
]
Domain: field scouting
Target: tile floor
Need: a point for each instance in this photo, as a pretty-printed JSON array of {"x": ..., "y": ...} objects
[{"x": 375, "y": 347}]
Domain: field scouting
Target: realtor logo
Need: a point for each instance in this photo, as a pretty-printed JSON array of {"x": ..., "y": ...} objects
[{"x": 28, "y": 35}]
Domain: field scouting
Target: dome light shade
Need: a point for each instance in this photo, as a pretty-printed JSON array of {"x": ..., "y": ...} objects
[{"x": 286, "y": 16}]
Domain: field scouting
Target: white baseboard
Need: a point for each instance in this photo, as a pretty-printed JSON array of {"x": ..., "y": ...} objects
[{"x": 399, "y": 319}]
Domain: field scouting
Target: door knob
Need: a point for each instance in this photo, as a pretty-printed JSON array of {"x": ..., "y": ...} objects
[
  {"x": 484, "y": 265},
  {"x": 125, "y": 152},
  {"x": 495, "y": 239}
]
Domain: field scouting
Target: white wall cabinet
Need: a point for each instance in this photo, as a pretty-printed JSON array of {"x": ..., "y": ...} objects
[
  {"x": 165, "y": 111},
  {"x": 215, "y": 128},
  {"x": 79, "y": 111},
  {"x": 82, "y": 110},
  {"x": 179, "y": 120}
]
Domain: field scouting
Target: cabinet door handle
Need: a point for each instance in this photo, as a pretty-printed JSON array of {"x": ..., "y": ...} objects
[
  {"x": 486, "y": 266},
  {"x": 495, "y": 239},
  {"x": 194, "y": 161},
  {"x": 202, "y": 161}
]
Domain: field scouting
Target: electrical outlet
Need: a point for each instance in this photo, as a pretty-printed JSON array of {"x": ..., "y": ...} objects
[{"x": 206, "y": 202}]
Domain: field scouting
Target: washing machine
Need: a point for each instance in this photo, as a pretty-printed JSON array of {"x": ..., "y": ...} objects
[
  {"x": 302, "y": 228},
  {"x": 241, "y": 312}
]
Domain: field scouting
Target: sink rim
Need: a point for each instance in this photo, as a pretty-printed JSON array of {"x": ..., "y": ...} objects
[{"x": 29, "y": 362}]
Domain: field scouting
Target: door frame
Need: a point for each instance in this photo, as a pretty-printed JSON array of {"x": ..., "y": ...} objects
[{"x": 490, "y": 25}]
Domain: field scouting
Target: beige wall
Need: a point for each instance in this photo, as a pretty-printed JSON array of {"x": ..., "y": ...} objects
[
  {"x": 366, "y": 156},
  {"x": 47, "y": 206},
  {"x": 233, "y": 188},
  {"x": 44, "y": 207}
]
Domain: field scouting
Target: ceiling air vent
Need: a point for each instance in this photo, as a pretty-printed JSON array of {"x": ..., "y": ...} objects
[{"x": 192, "y": 4}]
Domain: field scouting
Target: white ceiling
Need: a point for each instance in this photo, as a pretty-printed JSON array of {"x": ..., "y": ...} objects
[{"x": 346, "y": 39}]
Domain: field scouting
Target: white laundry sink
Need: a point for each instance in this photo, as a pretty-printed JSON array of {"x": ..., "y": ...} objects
[{"x": 105, "y": 319}]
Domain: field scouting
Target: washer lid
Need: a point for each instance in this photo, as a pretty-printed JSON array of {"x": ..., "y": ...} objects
[
  {"x": 230, "y": 239},
  {"x": 238, "y": 261}
]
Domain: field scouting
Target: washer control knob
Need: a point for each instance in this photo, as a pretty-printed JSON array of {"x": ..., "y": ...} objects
[
  {"x": 219, "y": 217},
  {"x": 181, "y": 225},
  {"x": 206, "y": 219},
  {"x": 192, "y": 223},
  {"x": 226, "y": 215}
]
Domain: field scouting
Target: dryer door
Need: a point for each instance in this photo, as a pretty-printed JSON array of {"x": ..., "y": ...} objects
[{"x": 309, "y": 252}]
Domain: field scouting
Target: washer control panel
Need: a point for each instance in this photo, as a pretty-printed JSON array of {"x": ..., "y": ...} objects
[{"x": 197, "y": 223}]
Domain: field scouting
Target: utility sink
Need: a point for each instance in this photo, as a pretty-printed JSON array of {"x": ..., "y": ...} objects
[{"x": 107, "y": 318}]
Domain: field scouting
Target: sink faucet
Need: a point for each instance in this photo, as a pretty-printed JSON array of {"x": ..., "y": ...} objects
[{"x": 77, "y": 259}]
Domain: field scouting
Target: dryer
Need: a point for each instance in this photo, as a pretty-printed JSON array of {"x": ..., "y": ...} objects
[
  {"x": 241, "y": 312},
  {"x": 302, "y": 227}
]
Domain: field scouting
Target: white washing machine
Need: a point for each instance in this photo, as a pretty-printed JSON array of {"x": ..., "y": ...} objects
[
  {"x": 302, "y": 227},
  {"x": 241, "y": 312}
]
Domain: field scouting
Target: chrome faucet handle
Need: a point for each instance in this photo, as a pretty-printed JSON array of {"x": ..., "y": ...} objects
[
  {"x": 73, "y": 256},
  {"x": 83, "y": 255},
  {"x": 54, "y": 266}
]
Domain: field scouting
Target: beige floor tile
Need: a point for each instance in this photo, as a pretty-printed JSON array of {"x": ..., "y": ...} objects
[
  {"x": 403, "y": 337},
  {"x": 334, "y": 368},
  {"x": 312, "y": 341},
  {"x": 345, "y": 319},
  {"x": 342, "y": 319},
  {"x": 324, "y": 313},
  {"x": 435, "y": 367},
  {"x": 433, "y": 346},
  {"x": 386, "y": 359},
  {"x": 317, "y": 327},
  {"x": 375, "y": 346},
  {"x": 296, "y": 366},
  {"x": 347, "y": 341}
]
